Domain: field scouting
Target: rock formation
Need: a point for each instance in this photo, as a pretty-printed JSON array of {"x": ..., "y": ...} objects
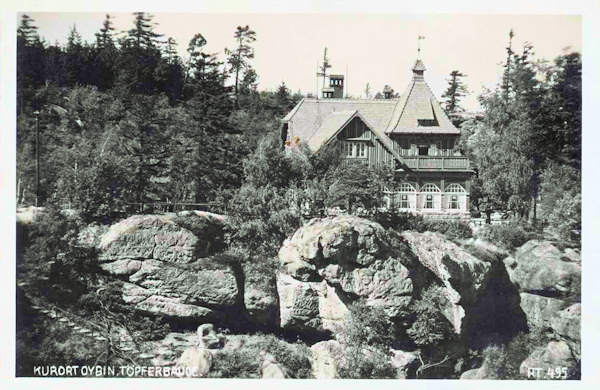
[
  {"x": 165, "y": 269},
  {"x": 332, "y": 262}
]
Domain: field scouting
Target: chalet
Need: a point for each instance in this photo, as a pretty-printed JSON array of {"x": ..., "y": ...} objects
[{"x": 411, "y": 133}]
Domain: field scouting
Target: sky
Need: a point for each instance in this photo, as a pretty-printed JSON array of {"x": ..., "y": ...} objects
[{"x": 374, "y": 48}]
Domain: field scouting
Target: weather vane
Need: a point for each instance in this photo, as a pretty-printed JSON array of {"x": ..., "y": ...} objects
[{"x": 419, "y": 45}]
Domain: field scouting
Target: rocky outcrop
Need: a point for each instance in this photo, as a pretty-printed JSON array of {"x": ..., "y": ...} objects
[
  {"x": 332, "y": 262},
  {"x": 327, "y": 357},
  {"x": 541, "y": 268},
  {"x": 462, "y": 274},
  {"x": 549, "y": 282},
  {"x": 165, "y": 270},
  {"x": 404, "y": 362},
  {"x": 556, "y": 361}
]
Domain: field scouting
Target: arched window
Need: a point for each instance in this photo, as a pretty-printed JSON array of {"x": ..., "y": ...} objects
[
  {"x": 455, "y": 188},
  {"x": 406, "y": 187},
  {"x": 429, "y": 187}
]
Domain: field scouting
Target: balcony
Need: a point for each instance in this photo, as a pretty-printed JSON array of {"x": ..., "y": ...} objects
[{"x": 432, "y": 163}]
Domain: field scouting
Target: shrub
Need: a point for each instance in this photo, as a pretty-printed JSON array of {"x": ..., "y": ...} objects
[
  {"x": 294, "y": 357},
  {"x": 430, "y": 328},
  {"x": 504, "y": 361},
  {"x": 369, "y": 337},
  {"x": 365, "y": 362},
  {"x": 235, "y": 364},
  {"x": 399, "y": 221},
  {"x": 509, "y": 236}
]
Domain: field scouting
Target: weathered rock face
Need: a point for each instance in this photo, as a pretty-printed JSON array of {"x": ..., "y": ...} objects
[
  {"x": 331, "y": 262},
  {"x": 327, "y": 356},
  {"x": 539, "y": 267},
  {"x": 476, "y": 373},
  {"x": 269, "y": 369},
  {"x": 463, "y": 275},
  {"x": 552, "y": 359},
  {"x": 549, "y": 281},
  {"x": 405, "y": 362},
  {"x": 164, "y": 272}
]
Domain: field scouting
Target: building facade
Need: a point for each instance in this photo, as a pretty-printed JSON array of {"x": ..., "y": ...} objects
[{"x": 411, "y": 133}]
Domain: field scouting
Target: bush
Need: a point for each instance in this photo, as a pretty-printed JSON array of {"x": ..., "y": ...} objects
[
  {"x": 400, "y": 221},
  {"x": 504, "y": 361},
  {"x": 369, "y": 337},
  {"x": 235, "y": 364},
  {"x": 430, "y": 329},
  {"x": 509, "y": 236},
  {"x": 244, "y": 363},
  {"x": 296, "y": 358}
]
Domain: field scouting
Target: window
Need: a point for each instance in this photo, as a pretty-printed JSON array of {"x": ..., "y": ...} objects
[
  {"x": 423, "y": 150},
  {"x": 361, "y": 149},
  {"x": 429, "y": 202},
  {"x": 355, "y": 149},
  {"x": 426, "y": 122},
  {"x": 404, "y": 201},
  {"x": 429, "y": 187},
  {"x": 405, "y": 187},
  {"x": 454, "y": 202},
  {"x": 455, "y": 188},
  {"x": 348, "y": 152}
]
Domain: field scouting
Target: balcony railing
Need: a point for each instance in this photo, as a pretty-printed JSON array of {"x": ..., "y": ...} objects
[{"x": 437, "y": 163}]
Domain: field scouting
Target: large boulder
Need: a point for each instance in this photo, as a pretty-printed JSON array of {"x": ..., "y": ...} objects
[
  {"x": 540, "y": 310},
  {"x": 331, "y": 262},
  {"x": 540, "y": 267},
  {"x": 463, "y": 275},
  {"x": 165, "y": 269}
]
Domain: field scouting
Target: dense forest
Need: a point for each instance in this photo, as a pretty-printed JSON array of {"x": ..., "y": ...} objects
[{"x": 124, "y": 126}]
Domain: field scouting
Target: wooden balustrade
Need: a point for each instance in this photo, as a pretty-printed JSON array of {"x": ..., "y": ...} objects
[{"x": 437, "y": 163}]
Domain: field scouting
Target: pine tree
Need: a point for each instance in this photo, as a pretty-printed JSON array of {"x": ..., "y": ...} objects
[
  {"x": 106, "y": 57},
  {"x": 238, "y": 58},
  {"x": 455, "y": 92},
  {"x": 326, "y": 65},
  {"x": 30, "y": 61},
  {"x": 139, "y": 57},
  {"x": 104, "y": 38}
]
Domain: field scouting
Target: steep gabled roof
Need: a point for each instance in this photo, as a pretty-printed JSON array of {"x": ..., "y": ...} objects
[
  {"x": 416, "y": 112},
  {"x": 309, "y": 116},
  {"x": 420, "y": 105},
  {"x": 336, "y": 121}
]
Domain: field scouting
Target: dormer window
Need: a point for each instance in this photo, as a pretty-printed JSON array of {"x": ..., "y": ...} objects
[{"x": 426, "y": 122}]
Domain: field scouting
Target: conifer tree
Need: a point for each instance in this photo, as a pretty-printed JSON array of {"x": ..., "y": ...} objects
[
  {"x": 238, "y": 58},
  {"x": 455, "y": 92}
]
